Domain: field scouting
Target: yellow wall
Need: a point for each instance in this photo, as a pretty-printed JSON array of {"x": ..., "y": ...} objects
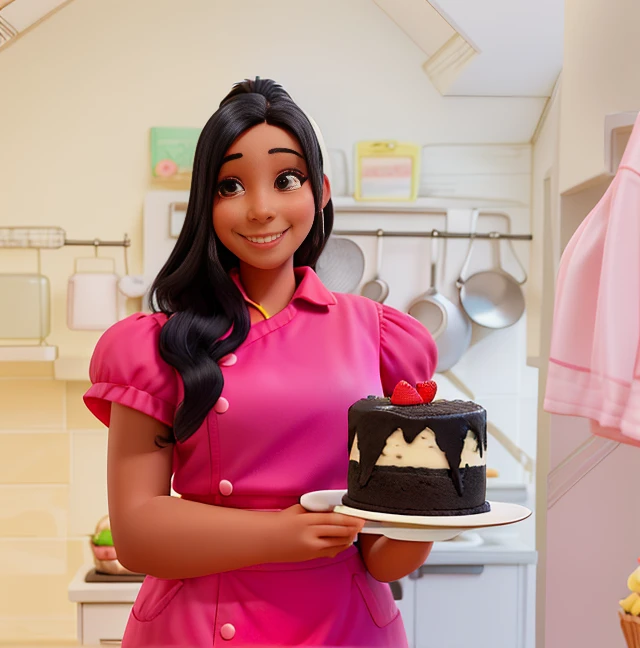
[{"x": 52, "y": 493}]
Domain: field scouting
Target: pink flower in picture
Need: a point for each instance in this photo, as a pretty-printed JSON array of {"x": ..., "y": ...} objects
[{"x": 166, "y": 168}]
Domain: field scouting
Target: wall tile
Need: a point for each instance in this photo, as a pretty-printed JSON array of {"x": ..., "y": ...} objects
[
  {"x": 34, "y": 511},
  {"x": 39, "y": 630},
  {"x": 26, "y": 369},
  {"x": 490, "y": 366},
  {"x": 34, "y": 458},
  {"x": 503, "y": 413},
  {"x": 78, "y": 416},
  {"x": 88, "y": 494},
  {"x": 27, "y": 404},
  {"x": 33, "y": 556}
]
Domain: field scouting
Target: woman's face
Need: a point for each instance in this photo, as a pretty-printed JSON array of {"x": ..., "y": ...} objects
[{"x": 263, "y": 208}]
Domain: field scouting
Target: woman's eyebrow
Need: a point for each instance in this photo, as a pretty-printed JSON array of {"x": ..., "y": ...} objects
[
  {"x": 285, "y": 150},
  {"x": 235, "y": 156}
]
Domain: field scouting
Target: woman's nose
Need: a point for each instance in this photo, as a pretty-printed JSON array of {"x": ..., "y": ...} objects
[{"x": 260, "y": 210}]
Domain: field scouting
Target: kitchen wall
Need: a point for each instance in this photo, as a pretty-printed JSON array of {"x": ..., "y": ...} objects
[
  {"x": 79, "y": 95},
  {"x": 600, "y": 72},
  {"x": 52, "y": 493},
  {"x": 588, "y": 531}
]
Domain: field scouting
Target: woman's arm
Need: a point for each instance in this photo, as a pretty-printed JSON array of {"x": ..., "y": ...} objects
[
  {"x": 388, "y": 560},
  {"x": 169, "y": 537}
]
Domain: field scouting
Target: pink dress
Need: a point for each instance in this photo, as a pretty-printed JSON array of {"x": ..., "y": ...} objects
[
  {"x": 594, "y": 362},
  {"x": 279, "y": 430}
]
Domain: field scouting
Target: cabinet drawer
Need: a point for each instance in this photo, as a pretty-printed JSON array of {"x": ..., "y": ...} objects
[
  {"x": 103, "y": 624},
  {"x": 457, "y": 603}
]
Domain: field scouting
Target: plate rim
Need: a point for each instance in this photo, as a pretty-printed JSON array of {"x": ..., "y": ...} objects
[
  {"x": 443, "y": 521},
  {"x": 475, "y": 521}
]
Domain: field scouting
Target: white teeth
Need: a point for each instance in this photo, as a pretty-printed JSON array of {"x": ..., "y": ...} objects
[{"x": 264, "y": 239}]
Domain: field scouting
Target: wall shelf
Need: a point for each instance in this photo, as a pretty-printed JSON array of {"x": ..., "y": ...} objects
[{"x": 27, "y": 353}]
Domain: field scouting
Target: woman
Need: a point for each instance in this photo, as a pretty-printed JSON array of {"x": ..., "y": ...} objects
[{"x": 238, "y": 386}]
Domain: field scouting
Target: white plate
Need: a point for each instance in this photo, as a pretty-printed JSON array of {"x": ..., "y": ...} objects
[{"x": 501, "y": 513}]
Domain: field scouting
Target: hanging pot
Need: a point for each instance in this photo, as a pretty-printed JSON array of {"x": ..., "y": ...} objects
[
  {"x": 377, "y": 289},
  {"x": 447, "y": 323},
  {"x": 492, "y": 298}
]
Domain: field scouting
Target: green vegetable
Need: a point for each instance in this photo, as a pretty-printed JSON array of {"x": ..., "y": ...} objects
[{"x": 103, "y": 538}]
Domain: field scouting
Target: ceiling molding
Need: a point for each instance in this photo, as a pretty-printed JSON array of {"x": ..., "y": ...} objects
[
  {"x": 19, "y": 16},
  {"x": 448, "y": 62}
]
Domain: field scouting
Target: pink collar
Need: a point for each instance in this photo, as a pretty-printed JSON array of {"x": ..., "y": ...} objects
[{"x": 310, "y": 288}]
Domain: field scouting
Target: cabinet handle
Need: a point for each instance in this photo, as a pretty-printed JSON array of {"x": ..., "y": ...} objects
[
  {"x": 110, "y": 642},
  {"x": 446, "y": 569},
  {"x": 396, "y": 590}
]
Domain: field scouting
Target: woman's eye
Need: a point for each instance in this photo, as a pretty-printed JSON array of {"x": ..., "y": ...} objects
[
  {"x": 230, "y": 187},
  {"x": 289, "y": 180}
]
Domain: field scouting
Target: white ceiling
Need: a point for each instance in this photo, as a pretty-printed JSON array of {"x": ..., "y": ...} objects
[
  {"x": 520, "y": 45},
  {"x": 490, "y": 48},
  {"x": 485, "y": 48}
]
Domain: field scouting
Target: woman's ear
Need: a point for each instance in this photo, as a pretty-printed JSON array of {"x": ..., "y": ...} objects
[{"x": 326, "y": 191}]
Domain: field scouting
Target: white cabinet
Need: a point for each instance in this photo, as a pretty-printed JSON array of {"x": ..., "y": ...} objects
[
  {"x": 103, "y": 608},
  {"x": 484, "y": 595},
  {"x": 102, "y": 624},
  {"x": 455, "y": 603}
]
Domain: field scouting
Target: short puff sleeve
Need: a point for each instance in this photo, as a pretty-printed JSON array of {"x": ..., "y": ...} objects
[
  {"x": 407, "y": 350},
  {"x": 126, "y": 368}
]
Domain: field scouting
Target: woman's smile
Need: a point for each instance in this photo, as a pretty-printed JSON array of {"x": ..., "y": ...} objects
[{"x": 265, "y": 240}]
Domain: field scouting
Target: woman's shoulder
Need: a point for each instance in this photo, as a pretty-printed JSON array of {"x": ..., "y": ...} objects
[
  {"x": 134, "y": 328},
  {"x": 131, "y": 342}
]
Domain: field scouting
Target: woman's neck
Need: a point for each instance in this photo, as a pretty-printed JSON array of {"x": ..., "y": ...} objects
[{"x": 272, "y": 289}]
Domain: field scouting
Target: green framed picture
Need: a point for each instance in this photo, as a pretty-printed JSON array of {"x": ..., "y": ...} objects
[{"x": 172, "y": 151}]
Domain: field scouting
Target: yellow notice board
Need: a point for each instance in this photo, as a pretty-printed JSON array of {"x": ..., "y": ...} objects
[{"x": 387, "y": 170}]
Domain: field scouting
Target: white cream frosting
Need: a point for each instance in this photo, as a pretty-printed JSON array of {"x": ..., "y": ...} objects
[{"x": 423, "y": 452}]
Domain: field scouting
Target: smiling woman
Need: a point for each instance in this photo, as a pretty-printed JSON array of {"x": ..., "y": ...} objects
[{"x": 238, "y": 388}]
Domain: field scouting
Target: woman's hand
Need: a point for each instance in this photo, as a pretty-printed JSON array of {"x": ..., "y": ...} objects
[{"x": 301, "y": 535}]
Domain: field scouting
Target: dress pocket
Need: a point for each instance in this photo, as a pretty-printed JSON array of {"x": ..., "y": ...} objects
[
  {"x": 154, "y": 596},
  {"x": 378, "y": 599}
]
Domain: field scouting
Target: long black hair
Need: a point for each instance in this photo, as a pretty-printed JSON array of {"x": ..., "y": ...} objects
[{"x": 194, "y": 288}]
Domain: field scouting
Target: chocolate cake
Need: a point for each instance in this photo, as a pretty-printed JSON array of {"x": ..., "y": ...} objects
[{"x": 417, "y": 459}]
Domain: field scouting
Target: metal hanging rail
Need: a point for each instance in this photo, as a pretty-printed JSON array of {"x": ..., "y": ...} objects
[
  {"x": 49, "y": 238},
  {"x": 435, "y": 233},
  {"x": 126, "y": 242},
  {"x": 53, "y": 238}
]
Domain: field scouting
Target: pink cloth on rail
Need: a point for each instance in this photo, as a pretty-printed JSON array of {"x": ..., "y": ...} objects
[{"x": 594, "y": 363}]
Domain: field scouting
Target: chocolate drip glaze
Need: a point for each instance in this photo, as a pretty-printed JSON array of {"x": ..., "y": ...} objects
[{"x": 375, "y": 419}]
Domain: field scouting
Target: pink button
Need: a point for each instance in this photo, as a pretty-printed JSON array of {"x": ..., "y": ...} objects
[
  {"x": 228, "y": 360},
  {"x": 222, "y": 405},
  {"x": 226, "y": 487},
  {"x": 227, "y": 631}
]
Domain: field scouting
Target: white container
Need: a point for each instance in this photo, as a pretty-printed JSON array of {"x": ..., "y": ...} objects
[
  {"x": 94, "y": 302},
  {"x": 24, "y": 304}
]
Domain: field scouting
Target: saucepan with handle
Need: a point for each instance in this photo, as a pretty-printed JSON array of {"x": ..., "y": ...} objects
[
  {"x": 492, "y": 298},
  {"x": 448, "y": 324}
]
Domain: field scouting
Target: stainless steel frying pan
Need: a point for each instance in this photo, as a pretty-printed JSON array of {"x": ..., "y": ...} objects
[{"x": 341, "y": 265}]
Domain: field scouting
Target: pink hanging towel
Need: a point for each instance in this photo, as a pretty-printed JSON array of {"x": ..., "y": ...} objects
[{"x": 594, "y": 364}]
